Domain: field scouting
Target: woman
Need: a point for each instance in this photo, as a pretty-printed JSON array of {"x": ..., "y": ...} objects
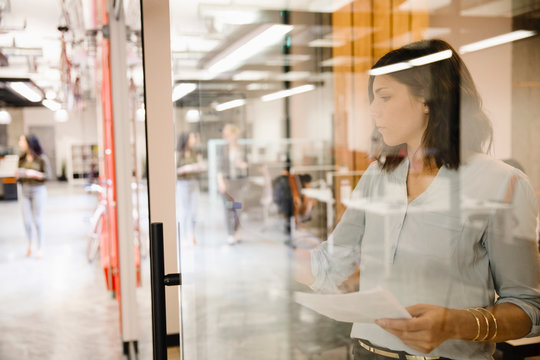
[
  {"x": 188, "y": 171},
  {"x": 231, "y": 176},
  {"x": 434, "y": 220},
  {"x": 33, "y": 171}
]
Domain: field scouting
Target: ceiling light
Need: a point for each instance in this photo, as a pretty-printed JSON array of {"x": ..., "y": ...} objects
[
  {"x": 27, "y": 91},
  {"x": 288, "y": 92},
  {"x": 497, "y": 40},
  {"x": 230, "y": 104},
  {"x": 261, "y": 86},
  {"x": 390, "y": 68},
  {"x": 193, "y": 116},
  {"x": 5, "y": 117},
  {"x": 61, "y": 116},
  {"x": 264, "y": 36},
  {"x": 438, "y": 56},
  {"x": 182, "y": 90},
  {"x": 51, "y": 104},
  {"x": 251, "y": 75},
  {"x": 323, "y": 43}
]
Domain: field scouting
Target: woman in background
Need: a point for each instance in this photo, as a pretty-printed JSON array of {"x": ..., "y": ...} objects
[
  {"x": 188, "y": 170},
  {"x": 231, "y": 180},
  {"x": 33, "y": 171}
]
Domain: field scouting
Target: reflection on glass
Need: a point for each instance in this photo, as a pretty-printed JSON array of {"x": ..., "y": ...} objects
[{"x": 355, "y": 176}]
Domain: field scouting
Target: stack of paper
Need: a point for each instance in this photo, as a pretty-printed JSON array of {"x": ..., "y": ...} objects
[{"x": 360, "y": 307}]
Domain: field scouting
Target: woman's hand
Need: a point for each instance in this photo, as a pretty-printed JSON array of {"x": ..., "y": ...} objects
[{"x": 430, "y": 326}]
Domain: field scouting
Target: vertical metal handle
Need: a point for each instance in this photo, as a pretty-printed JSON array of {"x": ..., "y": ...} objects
[{"x": 157, "y": 281}]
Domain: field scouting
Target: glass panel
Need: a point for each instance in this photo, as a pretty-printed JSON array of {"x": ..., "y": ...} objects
[{"x": 290, "y": 148}]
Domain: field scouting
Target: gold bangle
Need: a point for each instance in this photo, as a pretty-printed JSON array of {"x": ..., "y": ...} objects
[
  {"x": 494, "y": 322},
  {"x": 477, "y": 324},
  {"x": 487, "y": 324}
]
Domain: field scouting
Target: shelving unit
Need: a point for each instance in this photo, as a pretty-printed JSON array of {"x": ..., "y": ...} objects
[{"x": 82, "y": 164}]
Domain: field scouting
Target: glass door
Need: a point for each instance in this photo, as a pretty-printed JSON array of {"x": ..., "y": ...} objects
[{"x": 274, "y": 113}]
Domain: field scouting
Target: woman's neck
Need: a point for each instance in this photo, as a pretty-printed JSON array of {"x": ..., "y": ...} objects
[{"x": 418, "y": 163}]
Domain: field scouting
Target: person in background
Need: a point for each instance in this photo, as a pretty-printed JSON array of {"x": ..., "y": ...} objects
[
  {"x": 33, "y": 170},
  {"x": 449, "y": 230},
  {"x": 189, "y": 167},
  {"x": 232, "y": 172}
]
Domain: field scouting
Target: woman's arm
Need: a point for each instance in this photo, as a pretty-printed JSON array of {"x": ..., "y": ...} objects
[
  {"x": 328, "y": 266},
  {"x": 511, "y": 244},
  {"x": 432, "y": 325}
]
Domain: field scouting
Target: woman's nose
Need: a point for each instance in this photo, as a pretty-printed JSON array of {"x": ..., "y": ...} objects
[{"x": 374, "y": 110}]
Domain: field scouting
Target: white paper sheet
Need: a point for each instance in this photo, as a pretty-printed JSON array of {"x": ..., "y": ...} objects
[{"x": 360, "y": 307}]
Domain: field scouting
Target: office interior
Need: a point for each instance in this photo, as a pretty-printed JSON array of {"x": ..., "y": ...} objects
[{"x": 109, "y": 87}]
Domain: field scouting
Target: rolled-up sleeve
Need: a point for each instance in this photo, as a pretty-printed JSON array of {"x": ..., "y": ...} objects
[
  {"x": 338, "y": 257},
  {"x": 512, "y": 245}
]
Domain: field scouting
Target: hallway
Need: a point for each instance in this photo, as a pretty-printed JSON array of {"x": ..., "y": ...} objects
[{"x": 57, "y": 307}]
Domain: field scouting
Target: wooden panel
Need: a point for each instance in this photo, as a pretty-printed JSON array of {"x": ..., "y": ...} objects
[
  {"x": 342, "y": 25},
  {"x": 401, "y": 34},
  {"x": 419, "y": 20},
  {"x": 382, "y": 26}
]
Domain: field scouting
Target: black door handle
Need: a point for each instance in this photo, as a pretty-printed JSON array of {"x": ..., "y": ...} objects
[{"x": 158, "y": 281}]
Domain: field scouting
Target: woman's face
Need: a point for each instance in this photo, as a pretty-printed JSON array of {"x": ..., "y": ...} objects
[
  {"x": 23, "y": 144},
  {"x": 399, "y": 116}
]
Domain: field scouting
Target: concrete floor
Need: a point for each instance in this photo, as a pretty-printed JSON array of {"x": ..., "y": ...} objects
[{"x": 237, "y": 300}]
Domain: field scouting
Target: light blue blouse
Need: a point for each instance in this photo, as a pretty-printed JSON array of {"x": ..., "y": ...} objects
[{"x": 469, "y": 240}]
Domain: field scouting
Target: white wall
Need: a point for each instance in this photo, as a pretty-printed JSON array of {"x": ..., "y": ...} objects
[{"x": 81, "y": 128}]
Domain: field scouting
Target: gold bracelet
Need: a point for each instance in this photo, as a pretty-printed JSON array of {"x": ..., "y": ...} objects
[
  {"x": 494, "y": 322},
  {"x": 487, "y": 324},
  {"x": 477, "y": 324}
]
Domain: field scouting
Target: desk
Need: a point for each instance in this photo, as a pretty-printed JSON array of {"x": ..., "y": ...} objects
[{"x": 520, "y": 348}]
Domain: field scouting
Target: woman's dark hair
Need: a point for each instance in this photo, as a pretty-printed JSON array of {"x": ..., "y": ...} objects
[
  {"x": 456, "y": 118},
  {"x": 183, "y": 141},
  {"x": 33, "y": 145}
]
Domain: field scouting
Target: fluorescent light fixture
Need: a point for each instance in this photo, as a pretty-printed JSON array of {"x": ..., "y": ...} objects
[
  {"x": 182, "y": 90},
  {"x": 497, "y": 40},
  {"x": 27, "y": 91},
  {"x": 264, "y": 36},
  {"x": 61, "y": 116},
  {"x": 5, "y": 117},
  {"x": 324, "y": 43},
  {"x": 423, "y": 60},
  {"x": 251, "y": 75},
  {"x": 438, "y": 56},
  {"x": 261, "y": 86},
  {"x": 288, "y": 92},
  {"x": 390, "y": 68},
  {"x": 427, "y": 6},
  {"x": 51, "y": 104},
  {"x": 230, "y": 104}
]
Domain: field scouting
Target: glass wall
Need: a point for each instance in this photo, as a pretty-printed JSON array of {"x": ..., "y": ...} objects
[{"x": 282, "y": 133}]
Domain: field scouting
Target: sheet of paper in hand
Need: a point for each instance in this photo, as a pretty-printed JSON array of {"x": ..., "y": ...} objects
[{"x": 361, "y": 307}]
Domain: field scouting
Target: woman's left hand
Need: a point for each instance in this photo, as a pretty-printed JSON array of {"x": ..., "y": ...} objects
[{"x": 430, "y": 327}]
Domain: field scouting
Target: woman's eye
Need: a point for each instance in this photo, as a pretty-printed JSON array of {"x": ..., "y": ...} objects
[{"x": 385, "y": 98}]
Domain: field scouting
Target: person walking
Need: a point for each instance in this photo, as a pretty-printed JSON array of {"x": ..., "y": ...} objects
[{"x": 33, "y": 170}]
